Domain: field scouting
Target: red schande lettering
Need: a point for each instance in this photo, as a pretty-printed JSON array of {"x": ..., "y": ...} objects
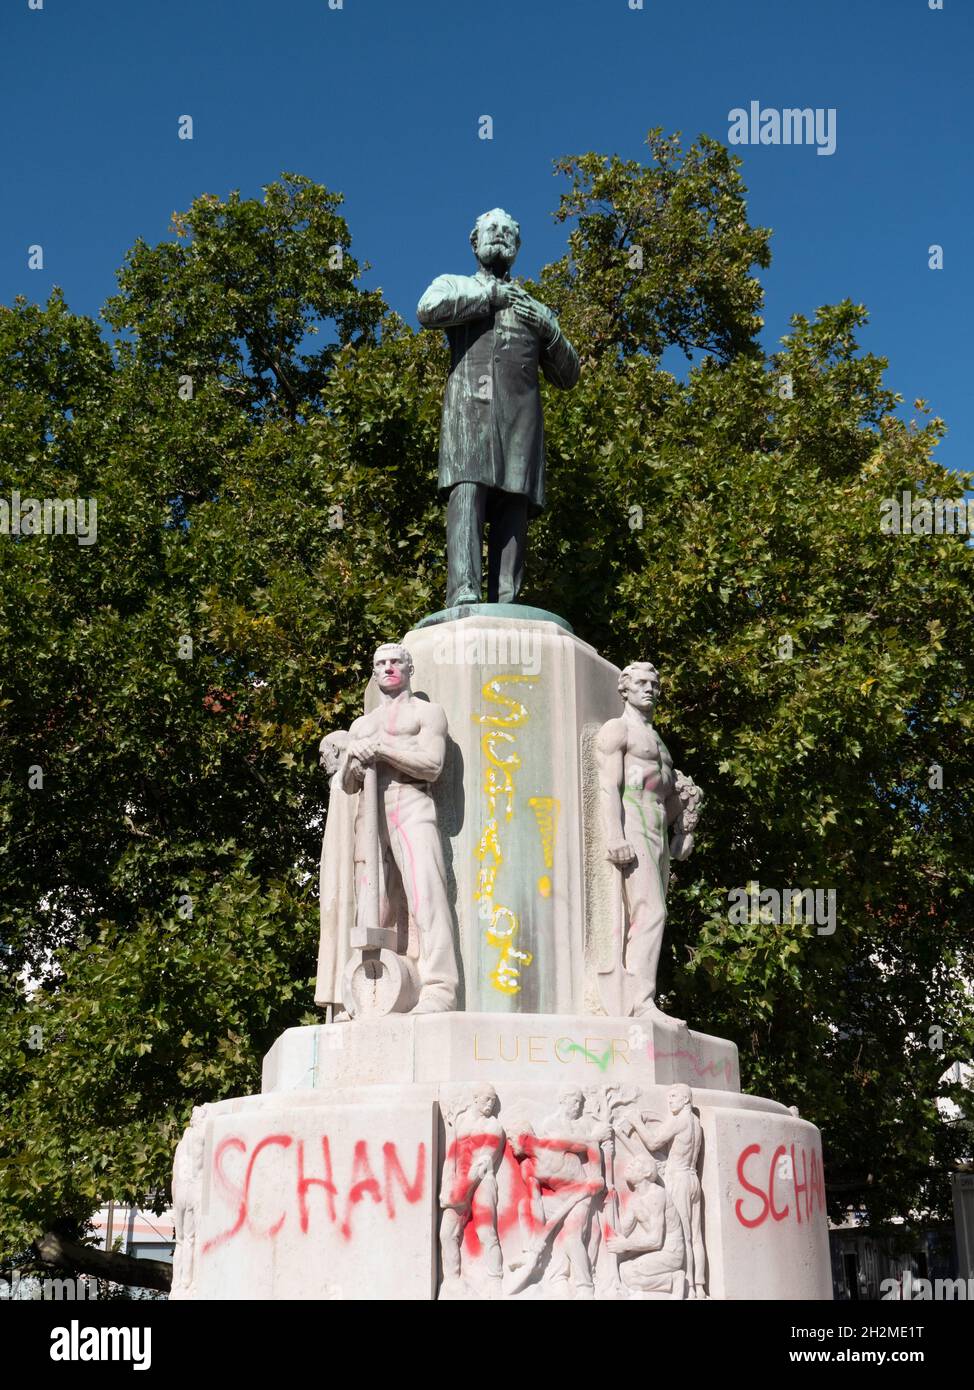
[
  {"x": 284, "y": 1141},
  {"x": 326, "y": 1183},
  {"x": 775, "y": 1213},
  {"x": 816, "y": 1187},
  {"x": 243, "y": 1212},
  {"x": 367, "y": 1183},
  {"x": 749, "y": 1221},
  {"x": 229, "y": 1187},
  {"x": 799, "y": 1186},
  {"x": 412, "y": 1191}
]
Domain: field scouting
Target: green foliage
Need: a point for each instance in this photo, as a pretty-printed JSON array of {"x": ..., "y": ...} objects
[
  {"x": 659, "y": 255},
  {"x": 159, "y": 891}
]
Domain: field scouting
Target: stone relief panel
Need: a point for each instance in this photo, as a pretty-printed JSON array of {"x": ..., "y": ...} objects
[{"x": 593, "y": 1195}]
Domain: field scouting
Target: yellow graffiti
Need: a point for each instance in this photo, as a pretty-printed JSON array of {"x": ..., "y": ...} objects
[
  {"x": 499, "y": 787},
  {"x": 491, "y": 692},
  {"x": 504, "y": 976},
  {"x": 546, "y": 810}
]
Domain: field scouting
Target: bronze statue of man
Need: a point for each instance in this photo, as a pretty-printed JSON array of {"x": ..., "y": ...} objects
[{"x": 492, "y": 438}]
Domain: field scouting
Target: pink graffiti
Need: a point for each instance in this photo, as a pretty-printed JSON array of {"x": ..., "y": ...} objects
[
  {"x": 812, "y": 1186},
  {"x": 710, "y": 1069},
  {"x": 295, "y": 1185}
]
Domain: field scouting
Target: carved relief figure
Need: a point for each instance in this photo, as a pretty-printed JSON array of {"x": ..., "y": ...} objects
[
  {"x": 492, "y": 460},
  {"x": 187, "y": 1191},
  {"x": 642, "y": 797},
  {"x": 649, "y": 1245},
  {"x": 560, "y": 1203},
  {"x": 564, "y": 1171},
  {"x": 475, "y": 1141},
  {"x": 392, "y": 755},
  {"x": 681, "y": 1137}
]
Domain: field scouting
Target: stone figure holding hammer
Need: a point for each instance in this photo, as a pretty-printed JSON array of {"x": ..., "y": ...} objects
[{"x": 392, "y": 755}]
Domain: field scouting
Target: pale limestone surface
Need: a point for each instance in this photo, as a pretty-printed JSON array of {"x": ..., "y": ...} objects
[
  {"x": 537, "y": 910},
  {"x": 538, "y": 1146},
  {"x": 340, "y": 1192},
  {"x": 403, "y": 931},
  {"x": 476, "y": 1047},
  {"x": 523, "y": 701}
]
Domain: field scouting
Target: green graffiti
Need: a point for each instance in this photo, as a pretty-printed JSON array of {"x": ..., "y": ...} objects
[{"x": 600, "y": 1062}]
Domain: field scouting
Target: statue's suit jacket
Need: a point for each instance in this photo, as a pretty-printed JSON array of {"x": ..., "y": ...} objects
[{"x": 492, "y": 429}]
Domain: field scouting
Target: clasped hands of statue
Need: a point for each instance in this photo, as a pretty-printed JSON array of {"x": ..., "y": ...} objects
[
  {"x": 374, "y": 748},
  {"x": 505, "y": 294},
  {"x": 366, "y": 751}
]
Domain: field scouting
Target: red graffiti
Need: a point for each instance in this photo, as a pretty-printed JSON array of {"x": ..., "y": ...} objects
[
  {"x": 519, "y": 1164},
  {"x": 229, "y": 1189},
  {"x": 412, "y": 1191},
  {"x": 708, "y": 1069},
  {"x": 326, "y": 1183},
  {"x": 362, "y": 1183},
  {"x": 811, "y": 1184}
]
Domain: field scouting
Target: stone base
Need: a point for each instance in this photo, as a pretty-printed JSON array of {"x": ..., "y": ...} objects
[
  {"x": 342, "y": 1180},
  {"x": 522, "y": 612},
  {"x": 535, "y": 1048}
]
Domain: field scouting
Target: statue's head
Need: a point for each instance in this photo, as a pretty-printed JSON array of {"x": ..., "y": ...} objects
[
  {"x": 485, "y": 1100},
  {"x": 495, "y": 239},
  {"x": 639, "y": 685},
  {"x": 641, "y": 1172},
  {"x": 572, "y": 1101},
  {"x": 330, "y": 750},
  {"x": 678, "y": 1098},
  {"x": 392, "y": 667}
]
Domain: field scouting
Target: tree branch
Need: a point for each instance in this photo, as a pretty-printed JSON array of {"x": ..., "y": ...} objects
[{"x": 55, "y": 1252}]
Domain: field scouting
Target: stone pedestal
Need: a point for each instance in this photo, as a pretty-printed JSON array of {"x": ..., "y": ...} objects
[
  {"x": 332, "y": 1183},
  {"x": 536, "y": 1145},
  {"x": 517, "y": 805}
]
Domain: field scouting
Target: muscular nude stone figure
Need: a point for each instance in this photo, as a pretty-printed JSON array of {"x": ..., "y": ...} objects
[
  {"x": 475, "y": 1151},
  {"x": 404, "y": 740},
  {"x": 681, "y": 1136},
  {"x": 642, "y": 797}
]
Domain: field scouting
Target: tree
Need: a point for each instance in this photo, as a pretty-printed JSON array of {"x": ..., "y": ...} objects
[{"x": 267, "y": 514}]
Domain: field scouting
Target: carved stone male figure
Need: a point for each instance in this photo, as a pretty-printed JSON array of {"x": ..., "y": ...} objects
[
  {"x": 492, "y": 461},
  {"x": 475, "y": 1151},
  {"x": 566, "y": 1182},
  {"x": 680, "y": 1134},
  {"x": 404, "y": 741},
  {"x": 649, "y": 1246},
  {"x": 187, "y": 1192},
  {"x": 642, "y": 796}
]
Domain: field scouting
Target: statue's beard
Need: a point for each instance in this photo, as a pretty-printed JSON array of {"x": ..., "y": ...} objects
[{"x": 498, "y": 259}]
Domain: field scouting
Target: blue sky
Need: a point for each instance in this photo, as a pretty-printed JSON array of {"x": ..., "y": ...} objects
[{"x": 380, "y": 100}]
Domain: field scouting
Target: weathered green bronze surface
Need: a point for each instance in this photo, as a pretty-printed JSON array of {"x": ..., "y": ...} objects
[{"x": 492, "y": 461}]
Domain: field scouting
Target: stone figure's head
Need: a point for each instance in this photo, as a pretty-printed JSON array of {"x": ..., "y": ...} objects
[
  {"x": 485, "y": 1100},
  {"x": 392, "y": 667},
  {"x": 679, "y": 1098},
  {"x": 641, "y": 1172},
  {"x": 495, "y": 239},
  {"x": 639, "y": 685},
  {"x": 330, "y": 750},
  {"x": 572, "y": 1101}
]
